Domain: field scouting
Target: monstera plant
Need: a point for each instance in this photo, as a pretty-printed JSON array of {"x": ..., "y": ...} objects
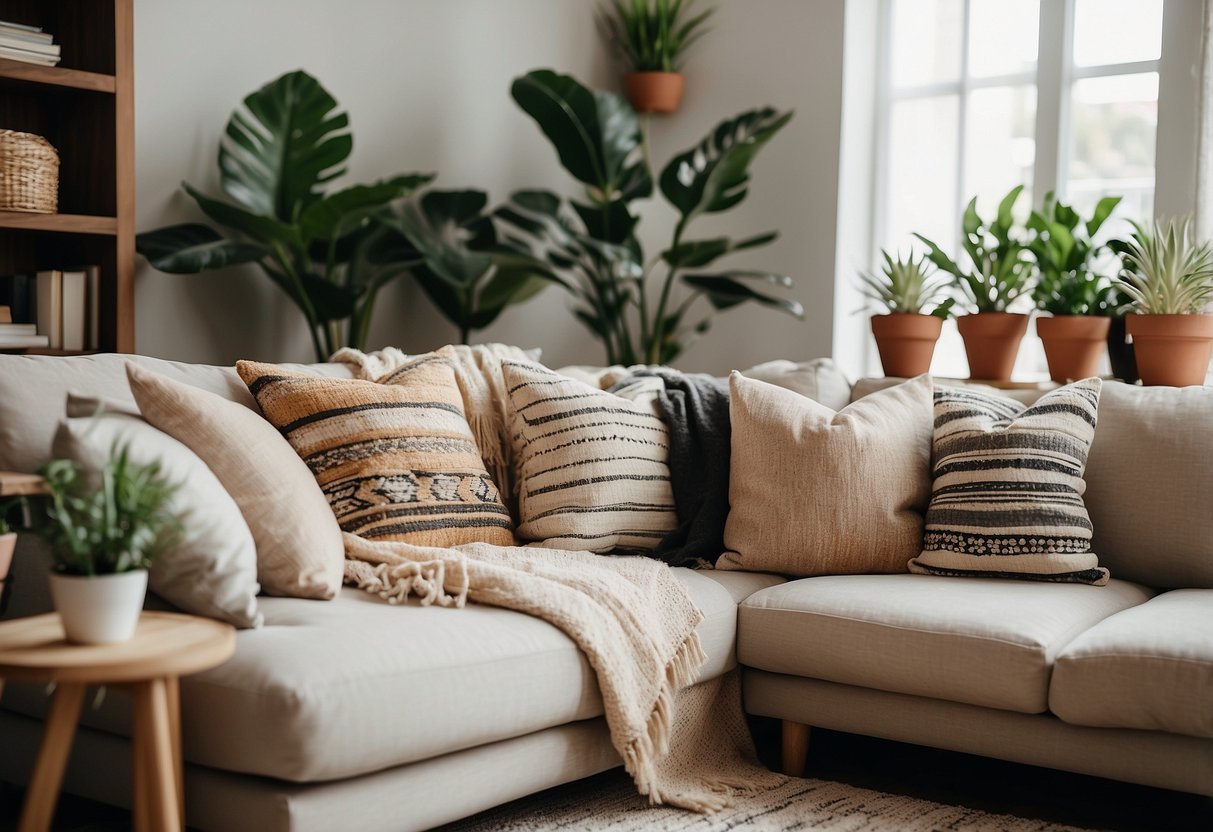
[
  {"x": 326, "y": 250},
  {"x": 642, "y": 311}
]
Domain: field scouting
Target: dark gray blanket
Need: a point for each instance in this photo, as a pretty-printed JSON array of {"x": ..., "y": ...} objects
[{"x": 696, "y": 410}]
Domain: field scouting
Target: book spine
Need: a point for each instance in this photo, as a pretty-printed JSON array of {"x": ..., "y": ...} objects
[
  {"x": 92, "y": 292},
  {"x": 49, "y": 291},
  {"x": 75, "y": 310},
  {"x": 16, "y": 294},
  {"x": 49, "y": 50}
]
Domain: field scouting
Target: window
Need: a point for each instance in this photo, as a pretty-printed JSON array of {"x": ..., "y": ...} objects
[{"x": 977, "y": 96}]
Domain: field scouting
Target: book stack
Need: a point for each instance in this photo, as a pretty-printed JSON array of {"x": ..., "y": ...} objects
[
  {"x": 19, "y": 42},
  {"x": 57, "y": 308}
]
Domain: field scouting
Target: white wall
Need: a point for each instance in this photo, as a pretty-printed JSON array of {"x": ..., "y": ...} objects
[{"x": 426, "y": 85}]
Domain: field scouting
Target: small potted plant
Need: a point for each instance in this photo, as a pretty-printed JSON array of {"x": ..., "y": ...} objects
[
  {"x": 103, "y": 532},
  {"x": 653, "y": 36},
  {"x": 1168, "y": 277},
  {"x": 906, "y": 334},
  {"x": 1068, "y": 287},
  {"x": 999, "y": 272}
]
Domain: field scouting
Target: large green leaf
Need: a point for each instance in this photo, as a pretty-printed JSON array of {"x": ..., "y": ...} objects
[
  {"x": 263, "y": 229},
  {"x": 451, "y": 232},
  {"x": 338, "y": 212},
  {"x": 726, "y": 290},
  {"x": 712, "y": 176},
  {"x": 193, "y": 248},
  {"x": 595, "y": 133},
  {"x": 695, "y": 254},
  {"x": 284, "y": 144}
]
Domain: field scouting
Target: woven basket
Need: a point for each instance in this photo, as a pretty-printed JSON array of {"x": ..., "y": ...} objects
[{"x": 29, "y": 173}]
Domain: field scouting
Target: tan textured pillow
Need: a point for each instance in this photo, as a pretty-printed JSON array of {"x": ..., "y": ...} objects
[
  {"x": 395, "y": 458},
  {"x": 818, "y": 492},
  {"x": 299, "y": 548}
]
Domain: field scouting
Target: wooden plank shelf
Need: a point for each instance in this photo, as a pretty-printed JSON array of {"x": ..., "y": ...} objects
[
  {"x": 67, "y": 223},
  {"x": 44, "y": 351},
  {"x": 13, "y": 484},
  {"x": 56, "y": 76}
]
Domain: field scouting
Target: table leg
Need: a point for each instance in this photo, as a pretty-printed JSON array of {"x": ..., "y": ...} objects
[
  {"x": 57, "y": 735},
  {"x": 172, "y": 687},
  {"x": 156, "y": 789}
]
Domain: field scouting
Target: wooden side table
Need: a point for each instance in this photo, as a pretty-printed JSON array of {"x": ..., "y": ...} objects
[{"x": 165, "y": 647}]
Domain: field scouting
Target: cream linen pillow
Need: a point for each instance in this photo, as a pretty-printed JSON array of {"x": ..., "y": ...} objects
[
  {"x": 818, "y": 492},
  {"x": 211, "y": 569},
  {"x": 299, "y": 548}
]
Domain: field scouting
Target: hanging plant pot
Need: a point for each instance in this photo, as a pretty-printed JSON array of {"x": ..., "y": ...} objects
[
  {"x": 99, "y": 609},
  {"x": 1120, "y": 352},
  {"x": 906, "y": 342},
  {"x": 1172, "y": 350},
  {"x": 655, "y": 92},
  {"x": 992, "y": 343},
  {"x": 1073, "y": 345}
]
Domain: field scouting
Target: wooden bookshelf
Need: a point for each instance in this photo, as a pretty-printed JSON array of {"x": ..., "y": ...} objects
[{"x": 85, "y": 109}]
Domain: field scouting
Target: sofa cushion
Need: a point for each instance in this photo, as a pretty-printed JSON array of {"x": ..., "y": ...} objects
[
  {"x": 1148, "y": 667},
  {"x": 1149, "y": 483},
  {"x": 981, "y": 641}
]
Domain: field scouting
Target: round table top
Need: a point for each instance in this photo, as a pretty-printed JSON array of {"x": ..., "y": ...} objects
[{"x": 165, "y": 644}]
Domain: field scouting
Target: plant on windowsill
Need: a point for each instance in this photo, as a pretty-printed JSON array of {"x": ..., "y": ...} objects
[
  {"x": 999, "y": 271},
  {"x": 103, "y": 532},
  {"x": 910, "y": 289},
  {"x": 653, "y": 36},
  {"x": 1168, "y": 276},
  {"x": 590, "y": 247},
  {"x": 1076, "y": 297}
]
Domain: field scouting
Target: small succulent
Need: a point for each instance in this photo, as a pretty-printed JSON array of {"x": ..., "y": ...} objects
[
  {"x": 652, "y": 34},
  {"x": 908, "y": 286},
  {"x": 1166, "y": 271}
]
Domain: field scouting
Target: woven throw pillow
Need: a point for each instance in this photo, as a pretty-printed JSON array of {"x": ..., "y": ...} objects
[
  {"x": 396, "y": 460},
  {"x": 818, "y": 492},
  {"x": 593, "y": 467},
  {"x": 1006, "y": 499},
  {"x": 300, "y": 553}
]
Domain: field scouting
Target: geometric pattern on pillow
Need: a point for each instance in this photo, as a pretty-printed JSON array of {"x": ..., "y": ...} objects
[
  {"x": 397, "y": 462},
  {"x": 1006, "y": 497},
  {"x": 593, "y": 466}
]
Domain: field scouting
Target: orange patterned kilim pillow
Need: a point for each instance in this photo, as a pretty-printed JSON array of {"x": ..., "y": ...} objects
[{"x": 396, "y": 461}]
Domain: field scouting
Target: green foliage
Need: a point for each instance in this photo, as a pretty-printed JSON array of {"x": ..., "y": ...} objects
[
  {"x": 277, "y": 154},
  {"x": 5, "y": 508},
  {"x": 450, "y": 246},
  {"x": 592, "y": 250},
  {"x": 117, "y": 524},
  {"x": 1063, "y": 246},
  {"x": 653, "y": 35},
  {"x": 999, "y": 268},
  {"x": 908, "y": 286},
  {"x": 1166, "y": 271}
]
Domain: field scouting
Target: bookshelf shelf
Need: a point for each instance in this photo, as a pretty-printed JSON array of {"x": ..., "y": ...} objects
[
  {"x": 43, "y": 351},
  {"x": 18, "y": 72},
  {"x": 66, "y": 223}
]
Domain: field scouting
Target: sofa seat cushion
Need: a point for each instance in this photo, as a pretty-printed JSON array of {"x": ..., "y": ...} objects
[
  {"x": 1148, "y": 667},
  {"x": 331, "y": 690},
  {"x": 981, "y": 641}
]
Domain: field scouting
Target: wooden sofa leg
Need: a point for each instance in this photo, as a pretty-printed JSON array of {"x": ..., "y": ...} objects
[{"x": 795, "y": 747}]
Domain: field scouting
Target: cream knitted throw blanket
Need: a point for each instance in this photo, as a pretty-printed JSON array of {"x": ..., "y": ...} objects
[{"x": 684, "y": 745}]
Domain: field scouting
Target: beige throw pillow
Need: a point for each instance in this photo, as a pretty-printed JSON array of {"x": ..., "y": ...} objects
[
  {"x": 211, "y": 569},
  {"x": 818, "y": 492},
  {"x": 299, "y": 547}
]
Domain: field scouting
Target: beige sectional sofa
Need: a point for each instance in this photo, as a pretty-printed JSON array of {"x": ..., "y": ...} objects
[{"x": 408, "y": 717}]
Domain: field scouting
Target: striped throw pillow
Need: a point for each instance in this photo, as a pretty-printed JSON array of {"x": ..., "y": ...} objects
[
  {"x": 396, "y": 462},
  {"x": 1007, "y": 494},
  {"x": 593, "y": 466}
]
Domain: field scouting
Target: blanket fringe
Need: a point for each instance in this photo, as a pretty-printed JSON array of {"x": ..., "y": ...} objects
[{"x": 396, "y": 583}]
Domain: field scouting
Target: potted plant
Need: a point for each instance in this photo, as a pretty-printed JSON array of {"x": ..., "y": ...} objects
[
  {"x": 653, "y": 35},
  {"x": 998, "y": 273},
  {"x": 1168, "y": 276},
  {"x": 1076, "y": 297},
  {"x": 906, "y": 335},
  {"x": 103, "y": 532}
]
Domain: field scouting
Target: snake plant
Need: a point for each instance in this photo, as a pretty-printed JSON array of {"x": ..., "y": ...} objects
[{"x": 908, "y": 286}]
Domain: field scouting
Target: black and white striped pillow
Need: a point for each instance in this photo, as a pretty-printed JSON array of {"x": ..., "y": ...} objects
[
  {"x": 593, "y": 470},
  {"x": 1007, "y": 494}
]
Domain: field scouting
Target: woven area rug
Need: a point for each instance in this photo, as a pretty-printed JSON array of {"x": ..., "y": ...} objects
[{"x": 609, "y": 802}]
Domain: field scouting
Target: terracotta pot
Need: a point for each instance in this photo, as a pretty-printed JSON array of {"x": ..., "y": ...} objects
[
  {"x": 1073, "y": 345},
  {"x": 1120, "y": 352},
  {"x": 1172, "y": 350},
  {"x": 654, "y": 92},
  {"x": 992, "y": 343},
  {"x": 906, "y": 342}
]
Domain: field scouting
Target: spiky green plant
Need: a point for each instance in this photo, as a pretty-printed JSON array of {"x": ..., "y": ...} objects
[
  {"x": 653, "y": 34},
  {"x": 1166, "y": 270},
  {"x": 908, "y": 286}
]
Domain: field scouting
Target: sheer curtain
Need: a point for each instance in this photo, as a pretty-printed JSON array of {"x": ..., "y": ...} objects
[{"x": 1204, "y": 147}]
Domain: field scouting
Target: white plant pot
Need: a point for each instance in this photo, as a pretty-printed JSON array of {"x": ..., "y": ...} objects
[{"x": 101, "y": 609}]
